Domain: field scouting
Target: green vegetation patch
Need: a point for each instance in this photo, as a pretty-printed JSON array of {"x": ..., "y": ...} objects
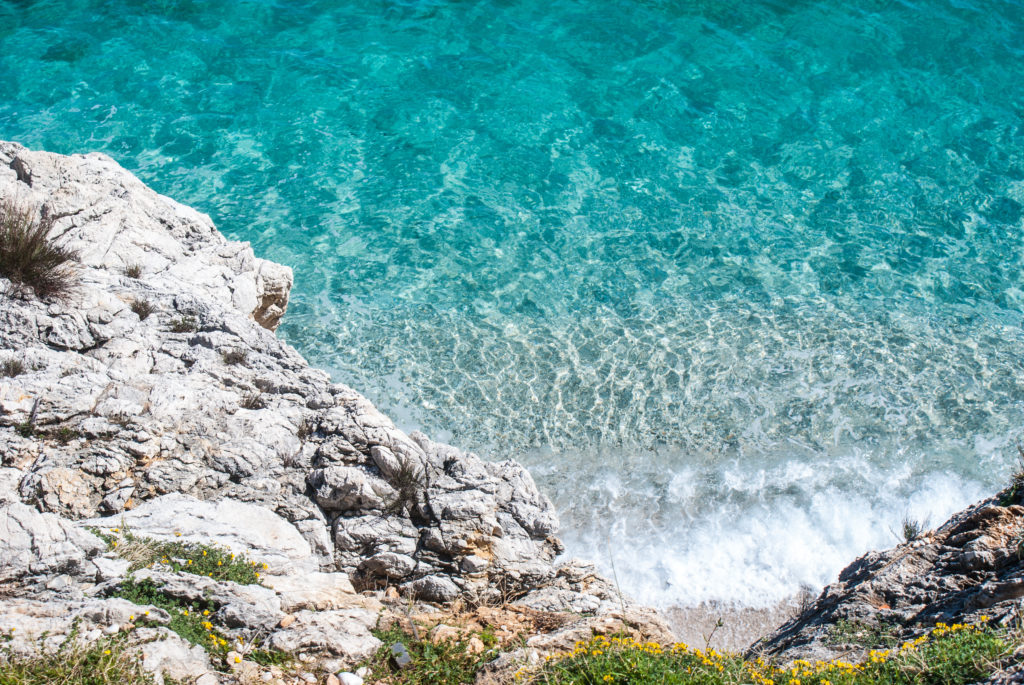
[
  {"x": 106, "y": 661},
  {"x": 446, "y": 663},
  {"x": 186, "y": 557},
  {"x": 861, "y": 634},
  {"x": 950, "y": 655},
  {"x": 194, "y": 621},
  {"x": 190, "y": 620}
]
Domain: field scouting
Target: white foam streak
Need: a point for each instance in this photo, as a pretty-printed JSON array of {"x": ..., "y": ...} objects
[{"x": 792, "y": 529}]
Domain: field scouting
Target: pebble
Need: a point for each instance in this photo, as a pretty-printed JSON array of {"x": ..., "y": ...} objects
[{"x": 347, "y": 678}]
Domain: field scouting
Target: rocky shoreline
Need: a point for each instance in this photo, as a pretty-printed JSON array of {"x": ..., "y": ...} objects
[
  {"x": 156, "y": 399},
  {"x": 188, "y": 419}
]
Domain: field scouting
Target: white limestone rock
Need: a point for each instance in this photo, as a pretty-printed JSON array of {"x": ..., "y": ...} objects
[
  {"x": 197, "y": 419},
  {"x": 35, "y": 544},
  {"x": 344, "y": 634},
  {"x": 243, "y": 528},
  {"x": 166, "y": 654},
  {"x": 314, "y": 591}
]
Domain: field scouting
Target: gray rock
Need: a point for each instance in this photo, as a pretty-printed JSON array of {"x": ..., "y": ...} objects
[
  {"x": 388, "y": 565},
  {"x": 435, "y": 589},
  {"x": 35, "y": 544},
  {"x": 169, "y": 655},
  {"x": 243, "y": 528},
  {"x": 345, "y": 634},
  {"x": 967, "y": 568},
  {"x": 346, "y": 678},
  {"x": 110, "y": 568},
  {"x": 473, "y": 564},
  {"x": 343, "y": 488}
]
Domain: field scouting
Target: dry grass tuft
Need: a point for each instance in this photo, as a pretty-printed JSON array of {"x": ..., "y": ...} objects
[{"x": 27, "y": 257}]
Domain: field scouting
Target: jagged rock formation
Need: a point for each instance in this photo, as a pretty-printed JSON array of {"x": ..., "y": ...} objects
[
  {"x": 158, "y": 395},
  {"x": 971, "y": 567},
  {"x": 196, "y": 398}
]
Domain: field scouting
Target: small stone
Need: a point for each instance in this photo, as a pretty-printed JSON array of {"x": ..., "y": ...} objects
[
  {"x": 391, "y": 593},
  {"x": 444, "y": 633},
  {"x": 400, "y": 655},
  {"x": 349, "y": 679},
  {"x": 266, "y": 676},
  {"x": 332, "y": 680},
  {"x": 207, "y": 679},
  {"x": 234, "y": 658},
  {"x": 363, "y": 671},
  {"x": 287, "y": 621},
  {"x": 435, "y": 589},
  {"x": 58, "y": 583},
  {"x": 476, "y": 645},
  {"x": 474, "y": 564},
  {"x": 308, "y": 677},
  {"x": 112, "y": 630}
]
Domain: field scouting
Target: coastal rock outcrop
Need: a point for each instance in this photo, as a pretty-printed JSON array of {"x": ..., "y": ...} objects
[
  {"x": 156, "y": 399},
  {"x": 193, "y": 394},
  {"x": 969, "y": 570}
]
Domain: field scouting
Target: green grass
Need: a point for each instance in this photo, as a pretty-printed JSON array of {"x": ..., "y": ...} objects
[
  {"x": 196, "y": 622},
  {"x": 911, "y": 529},
  {"x": 948, "y": 655},
  {"x": 444, "y": 663},
  {"x": 190, "y": 620},
  {"x": 185, "y": 557},
  {"x": 193, "y": 621},
  {"x": 106, "y": 661},
  {"x": 863, "y": 635}
]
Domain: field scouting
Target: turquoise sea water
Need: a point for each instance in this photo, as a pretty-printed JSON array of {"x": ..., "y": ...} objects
[{"x": 740, "y": 282}]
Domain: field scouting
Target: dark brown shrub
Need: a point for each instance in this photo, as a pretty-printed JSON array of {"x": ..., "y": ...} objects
[
  {"x": 235, "y": 356},
  {"x": 143, "y": 308}
]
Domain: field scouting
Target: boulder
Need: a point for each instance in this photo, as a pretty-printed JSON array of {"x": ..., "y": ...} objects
[{"x": 39, "y": 544}]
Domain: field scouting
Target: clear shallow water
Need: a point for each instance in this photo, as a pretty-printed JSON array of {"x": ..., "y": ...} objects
[{"x": 742, "y": 285}]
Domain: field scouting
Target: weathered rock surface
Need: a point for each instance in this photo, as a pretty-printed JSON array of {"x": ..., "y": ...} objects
[
  {"x": 971, "y": 567},
  {"x": 162, "y": 402},
  {"x": 42, "y": 544},
  {"x": 125, "y": 409},
  {"x": 240, "y": 527}
]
